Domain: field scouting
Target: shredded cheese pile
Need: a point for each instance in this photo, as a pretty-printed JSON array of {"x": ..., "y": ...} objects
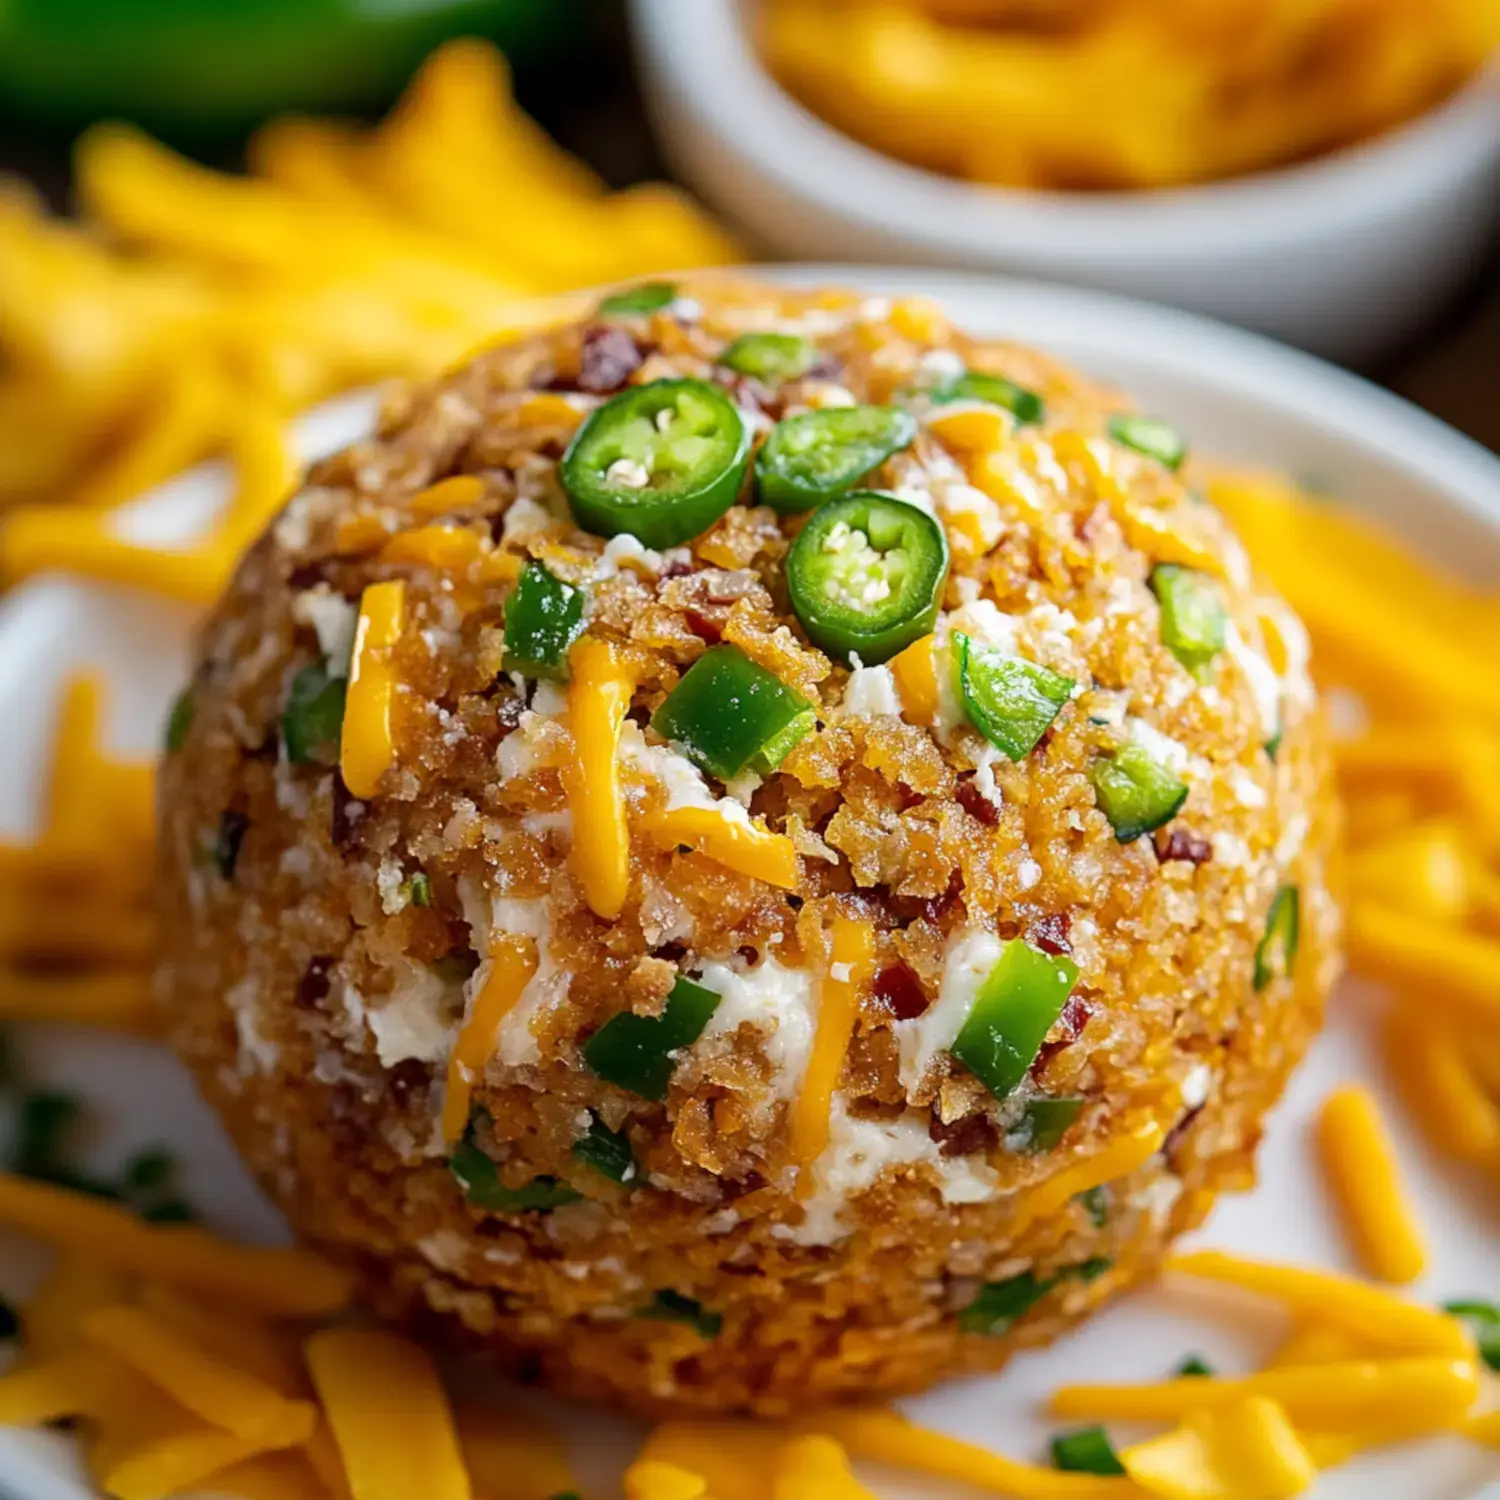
[{"x": 191, "y": 313}]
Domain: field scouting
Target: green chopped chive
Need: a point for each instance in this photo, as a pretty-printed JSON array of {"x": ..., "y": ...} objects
[
  {"x": 1273, "y": 745},
  {"x": 1096, "y": 1205},
  {"x": 1044, "y": 1124},
  {"x": 150, "y": 1170},
  {"x": 1277, "y": 950},
  {"x": 729, "y": 713},
  {"x": 179, "y": 721},
  {"x": 1483, "y": 1319},
  {"x": 1015, "y": 1009},
  {"x": 648, "y": 297},
  {"x": 1146, "y": 435},
  {"x": 993, "y": 390},
  {"x": 672, "y": 1307},
  {"x": 999, "y": 1305},
  {"x": 1085, "y": 1451},
  {"x": 607, "y": 1151},
  {"x": 482, "y": 1186},
  {"x": 1009, "y": 700},
  {"x": 419, "y": 890},
  {"x": 1136, "y": 791},
  {"x": 225, "y": 854},
  {"x": 638, "y": 1053},
  {"x": 313, "y": 717},
  {"x": 48, "y": 1118},
  {"x": 770, "y": 357},
  {"x": 1193, "y": 619},
  {"x": 1194, "y": 1365},
  {"x": 543, "y": 617}
]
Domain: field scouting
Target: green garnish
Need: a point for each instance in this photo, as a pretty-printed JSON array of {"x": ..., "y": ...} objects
[
  {"x": 638, "y": 1052},
  {"x": 648, "y": 297},
  {"x": 730, "y": 713},
  {"x": 543, "y": 617},
  {"x": 1483, "y": 1319},
  {"x": 48, "y": 1117},
  {"x": 1095, "y": 1204},
  {"x": 817, "y": 456},
  {"x": 672, "y": 1307},
  {"x": 1277, "y": 950},
  {"x": 993, "y": 390},
  {"x": 770, "y": 357},
  {"x": 1136, "y": 791},
  {"x": 1193, "y": 618},
  {"x": 1086, "y": 1451},
  {"x": 1153, "y": 438},
  {"x": 313, "y": 717},
  {"x": 1194, "y": 1365},
  {"x": 1044, "y": 1124},
  {"x": 1273, "y": 745},
  {"x": 179, "y": 721},
  {"x": 478, "y": 1177},
  {"x": 1012, "y": 1014},
  {"x": 1001, "y": 1304},
  {"x": 226, "y": 849},
  {"x": 419, "y": 890},
  {"x": 149, "y": 1171},
  {"x": 607, "y": 1151},
  {"x": 1009, "y": 700}
]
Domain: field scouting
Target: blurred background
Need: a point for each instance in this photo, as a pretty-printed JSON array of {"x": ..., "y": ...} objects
[{"x": 215, "y": 213}]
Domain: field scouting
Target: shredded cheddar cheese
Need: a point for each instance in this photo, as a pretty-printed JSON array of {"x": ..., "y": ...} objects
[
  {"x": 739, "y": 845},
  {"x": 368, "y": 747},
  {"x": 457, "y": 492},
  {"x": 971, "y": 429},
  {"x": 513, "y": 960},
  {"x": 650, "y": 1479},
  {"x": 1118, "y": 1159},
  {"x": 1245, "y": 1451},
  {"x": 1360, "y": 1165},
  {"x": 1432, "y": 1067},
  {"x": 851, "y": 953},
  {"x": 816, "y": 1467},
  {"x": 597, "y": 703}
]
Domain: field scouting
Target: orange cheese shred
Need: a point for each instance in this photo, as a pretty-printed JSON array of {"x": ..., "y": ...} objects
[
  {"x": 513, "y": 960},
  {"x": 448, "y": 549},
  {"x": 597, "y": 703},
  {"x": 1118, "y": 1159},
  {"x": 851, "y": 956},
  {"x": 457, "y": 492},
  {"x": 736, "y": 843},
  {"x": 367, "y": 748},
  {"x": 389, "y": 1414},
  {"x": 915, "y": 671}
]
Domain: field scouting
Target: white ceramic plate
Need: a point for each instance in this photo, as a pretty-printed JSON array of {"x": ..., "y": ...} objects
[{"x": 1235, "y": 395}]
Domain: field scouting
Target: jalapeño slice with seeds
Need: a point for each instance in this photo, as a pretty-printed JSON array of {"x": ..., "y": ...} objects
[
  {"x": 729, "y": 713},
  {"x": 661, "y": 462},
  {"x": 866, "y": 576},
  {"x": 818, "y": 455},
  {"x": 1009, "y": 700}
]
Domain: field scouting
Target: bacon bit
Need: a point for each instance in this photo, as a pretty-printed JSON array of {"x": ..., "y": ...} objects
[
  {"x": 1181, "y": 844},
  {"x": 609, "y": 358},
  {"x": 975, "y": 803},
  {"x": 1051, "y": 934},
  {"x": 899, "y": 990},
  {"x": 677, "y": 568},
  {"x": 704, "y": 627},
  {"x": 964, "y": 1137},
  {"x": 314, "y": 985},
  {"x": 410, "y": 1076},
  {"x": 1067, "y": 1028}
]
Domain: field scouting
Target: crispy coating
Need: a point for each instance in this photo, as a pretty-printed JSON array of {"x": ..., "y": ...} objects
[{"x": 318, "y": 999}]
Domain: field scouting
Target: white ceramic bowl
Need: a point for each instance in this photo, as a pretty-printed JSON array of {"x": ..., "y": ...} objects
[
  {"x": 1232, "y": 394},
  {"x": 1344, "y": 255}
]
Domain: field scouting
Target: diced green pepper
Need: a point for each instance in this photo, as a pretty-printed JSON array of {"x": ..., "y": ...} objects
[
  {"x": 866, "y": 576},
  {"x": 818, "y": 455},
  {"x": 1277, "y": 950},
  {"x": 478, "y": 1177},
  {"x": 1086, "y": 1451},
  {"x": 770, "y": 357},
  {"x": 543, "y": 617},
  {"x": 1193, "y": 1367},
  {"x": 1009, "y": 700},
  {"x": 1044, "y": 1124},
  {"x": 672, "y": 1307},
  {"x": 313, "y": 717},
  {"x": 1483, "y": 1319},
  {"x": 1193, "y": 618},
  {"x": 993, "y": 390},
  {"x": 999, "y": 1305},
  {"x": 638, "y": 301},
  {"x": 607, "y": 1151},
  {"x": 1012, "y": 1014},
  {"x": 1148, "y": 436},
  {"x": 638, "y": 1052},
  {"x": 729, "y": 713},
  {"x": 1136, "y": 791},
  {"x": 179, "y": 721},
  {"x": 419, "y": 890},
  {"x": 660, "y": 462}
]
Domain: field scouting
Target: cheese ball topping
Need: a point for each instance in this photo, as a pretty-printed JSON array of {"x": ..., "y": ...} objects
[{"x": 750, "y": 849}]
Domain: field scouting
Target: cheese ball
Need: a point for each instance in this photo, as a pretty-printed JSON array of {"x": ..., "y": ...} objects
[{"x": 748, "y": 849}]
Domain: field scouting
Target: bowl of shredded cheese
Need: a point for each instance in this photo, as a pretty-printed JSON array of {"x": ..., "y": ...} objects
[{"x": 1322, "y": 173}]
